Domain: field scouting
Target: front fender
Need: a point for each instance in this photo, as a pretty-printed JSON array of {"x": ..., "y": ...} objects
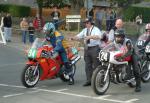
[{"x": 31, "y": 63}]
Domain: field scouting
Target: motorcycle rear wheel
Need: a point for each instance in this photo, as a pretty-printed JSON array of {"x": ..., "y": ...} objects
[
  {"x": 146, "y": 77},
  {"x": 98, "y": 85},
  {"x": 28, "y": 79}
]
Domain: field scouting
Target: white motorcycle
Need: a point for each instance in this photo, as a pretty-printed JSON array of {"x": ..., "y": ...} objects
[{"x": 111, "y": 70}]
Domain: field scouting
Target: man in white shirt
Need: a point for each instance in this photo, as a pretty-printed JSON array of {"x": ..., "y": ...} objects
[{"x": 92, "y": 36}]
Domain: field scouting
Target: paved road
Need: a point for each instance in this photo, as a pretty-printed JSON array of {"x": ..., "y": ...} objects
[{"x": 12, "y": 61}]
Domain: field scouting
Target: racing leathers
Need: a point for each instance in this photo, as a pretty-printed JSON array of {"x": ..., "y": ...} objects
[
  {"x": 57, "y": 40},
  {"x": 129, "y": 51}
]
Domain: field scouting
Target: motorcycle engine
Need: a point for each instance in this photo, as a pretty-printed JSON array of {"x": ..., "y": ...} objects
[{"x": 121, "y": 72}]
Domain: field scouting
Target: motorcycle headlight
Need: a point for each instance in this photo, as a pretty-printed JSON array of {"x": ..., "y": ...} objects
[
  {"x": 104, "y": 56},
  {"x": 44, "y": 54}
]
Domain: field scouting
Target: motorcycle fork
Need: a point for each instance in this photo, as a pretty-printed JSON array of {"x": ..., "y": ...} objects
[
  {"x": 37, "y": 65},
  {"x": 107, "y": 72},
  {"x": 143, "y": 64}
]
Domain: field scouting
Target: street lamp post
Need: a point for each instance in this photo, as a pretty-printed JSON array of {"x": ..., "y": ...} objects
[{"x": 87, "y": 7}]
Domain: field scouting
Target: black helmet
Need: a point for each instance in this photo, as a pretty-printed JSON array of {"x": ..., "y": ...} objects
[{"x": 119, "y": 33}]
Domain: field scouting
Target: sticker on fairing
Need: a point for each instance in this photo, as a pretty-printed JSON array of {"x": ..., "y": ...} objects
[{"x": 32, "y": 53}]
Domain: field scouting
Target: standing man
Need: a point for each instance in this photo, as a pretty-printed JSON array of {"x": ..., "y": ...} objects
[
  {"x": 7, "y": 27},
  {"x": 24, "y": 29},
  {"x": 38, "y": 24},
  {"x": 55, "y": 15},
  {"x": 2, "y": 19},
  {"x": 108, "y": 21},
  {"x": 99, "y": 17},
  {"x": 91, "y": 35},
  {"x": 118, "y": 25}
]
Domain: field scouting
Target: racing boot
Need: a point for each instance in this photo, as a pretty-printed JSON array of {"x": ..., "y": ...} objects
[
  {"x": 71, "y": 80},
  {"x": 69, "y": 73},
  {"x": 138, "y": 85},
  {"x": 66, "y": 75}
]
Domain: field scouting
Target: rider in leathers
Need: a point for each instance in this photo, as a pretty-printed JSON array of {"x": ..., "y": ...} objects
[
  {"x": 56, "y": 39},
  {"x": 143, "y": 40},
  {"x": 147, "y": 33},
  {"x": 121, "y": 41}
]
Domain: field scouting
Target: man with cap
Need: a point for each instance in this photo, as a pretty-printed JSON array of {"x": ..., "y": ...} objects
[{"x": 91, "y": 35}]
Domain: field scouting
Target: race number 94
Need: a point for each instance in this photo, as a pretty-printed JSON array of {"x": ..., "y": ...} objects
[{"x": 147, "y": 49}]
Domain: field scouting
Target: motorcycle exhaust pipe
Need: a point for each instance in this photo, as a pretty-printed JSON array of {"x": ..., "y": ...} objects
[{"x": 76, "y": 59}]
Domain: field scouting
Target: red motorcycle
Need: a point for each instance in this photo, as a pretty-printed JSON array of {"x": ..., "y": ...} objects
[{"x": 43, "y": 63}]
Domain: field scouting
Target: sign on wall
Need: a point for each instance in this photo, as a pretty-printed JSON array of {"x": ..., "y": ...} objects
[{"x": 73, "y": 19}]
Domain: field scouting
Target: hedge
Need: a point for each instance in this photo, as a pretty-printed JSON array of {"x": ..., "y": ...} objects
[
  {"x": 15, "y": 10},
  {"x": 131, "y": 13}
]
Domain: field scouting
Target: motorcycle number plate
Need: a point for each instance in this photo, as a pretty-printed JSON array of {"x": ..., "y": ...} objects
[
  {"x": 147, "y": 49},
  {"x": 103, "y": 56},
  {"x": 32, "y": 53},
  {"x": 140, "y": 43}
]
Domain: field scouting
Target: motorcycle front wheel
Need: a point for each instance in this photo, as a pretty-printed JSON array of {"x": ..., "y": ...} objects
[
  {"x": 29, "y": 76},
  {"x": 100, "y": 86},
  {"x": 146, "y": 77}
]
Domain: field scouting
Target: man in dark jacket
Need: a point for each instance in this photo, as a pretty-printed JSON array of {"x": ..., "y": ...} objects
[
  {"x": 55, "y": 16},
  {"x": 7, "y": 27}
]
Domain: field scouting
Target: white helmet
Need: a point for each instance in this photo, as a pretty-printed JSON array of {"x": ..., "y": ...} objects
[{"x": 147, "y": 27}]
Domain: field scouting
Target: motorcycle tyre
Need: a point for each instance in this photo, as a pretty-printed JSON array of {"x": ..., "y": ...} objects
[
  {"x": 94, "y": 79},
  {"x": 23, "y": 77},
  {"x": 146, "y": 80}
]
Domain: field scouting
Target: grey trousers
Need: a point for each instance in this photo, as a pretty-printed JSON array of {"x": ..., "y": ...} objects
[{"x": 91, "y": 61}]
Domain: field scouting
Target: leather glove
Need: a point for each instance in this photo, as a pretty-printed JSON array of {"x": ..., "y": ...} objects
[{"x": 120, "y": 58}]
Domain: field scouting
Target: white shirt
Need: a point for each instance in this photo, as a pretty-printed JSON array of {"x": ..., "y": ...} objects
[
  {"x": 56, "y": 16},
  {"x": 95, "y": 31},
  {"x": 111, "y": 35},
  {"x": 2, "y": 24}
]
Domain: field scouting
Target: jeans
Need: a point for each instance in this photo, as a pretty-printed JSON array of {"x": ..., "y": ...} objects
[
  {"x": 31, "y": 38},
  {"x": 63, "y": 56},
  {"x": 24, "y": 34},
  {"x": 7, "y": 33},
  {"x": 108, "y": 25},
  {"x": 99, "y": 23}
]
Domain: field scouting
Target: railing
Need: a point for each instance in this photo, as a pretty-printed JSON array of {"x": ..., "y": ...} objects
[{"x": 2, "y": 36}]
